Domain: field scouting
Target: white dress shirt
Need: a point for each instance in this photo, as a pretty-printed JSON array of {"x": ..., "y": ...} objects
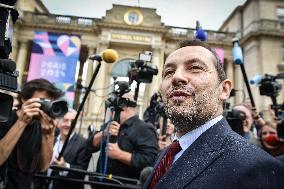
[
  {"x": 56, "y": 150},
  {"x": 186, "y": 140}
]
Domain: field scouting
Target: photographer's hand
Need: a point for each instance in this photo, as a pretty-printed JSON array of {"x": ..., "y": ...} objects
[
  {"x": 115, "y": 152},
  {"x": 60, "y": 162},
  {"x": 113, "y": 130},
  {"x": 47, "y": 123},
  {"x": 29, "y": 110}
]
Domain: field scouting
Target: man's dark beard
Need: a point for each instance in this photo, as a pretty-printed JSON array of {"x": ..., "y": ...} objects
[{"x": 194, "y": 114}]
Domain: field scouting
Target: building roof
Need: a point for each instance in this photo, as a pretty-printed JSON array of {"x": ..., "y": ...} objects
[{"x": 40, "y": 4}]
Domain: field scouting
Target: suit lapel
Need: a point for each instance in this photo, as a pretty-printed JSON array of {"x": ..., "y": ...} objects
[
  {"x": 69, "y": 147},
  {"x": 201, "y": 154}
]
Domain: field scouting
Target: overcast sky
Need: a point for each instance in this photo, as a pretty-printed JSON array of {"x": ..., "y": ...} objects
[{"x": 182, "y": 13}]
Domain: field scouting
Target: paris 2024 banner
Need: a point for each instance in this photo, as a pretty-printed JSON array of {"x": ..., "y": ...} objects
[{"x": 54, "y": 57}]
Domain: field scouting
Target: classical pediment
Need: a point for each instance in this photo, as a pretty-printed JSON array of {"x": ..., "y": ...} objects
[{"x": 133, "y": 16}]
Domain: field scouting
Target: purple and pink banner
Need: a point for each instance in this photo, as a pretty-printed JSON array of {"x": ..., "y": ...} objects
[{"x": 54, "y": 57}]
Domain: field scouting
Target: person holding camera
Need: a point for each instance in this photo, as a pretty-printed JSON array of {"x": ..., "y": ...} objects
[
  {"x": 250, "y": 122},
  {"x": 136, "y": 145},
  {"x": 27, "y": 137}
]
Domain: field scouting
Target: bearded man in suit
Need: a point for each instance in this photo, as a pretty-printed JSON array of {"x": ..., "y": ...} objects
[{"x": 206, "y": 153}]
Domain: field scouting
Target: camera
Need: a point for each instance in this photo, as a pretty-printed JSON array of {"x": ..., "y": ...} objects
[
  {"x": 155, "y": 110},
  {"x": 142, "y": 71},
  {"x": 8, "y": 73},
  {"x": 268, "y": 86},
  {"x": 54, "y": 109},
  {"x": 116, "y": 101},
  {"x": 236, "y": 119}
]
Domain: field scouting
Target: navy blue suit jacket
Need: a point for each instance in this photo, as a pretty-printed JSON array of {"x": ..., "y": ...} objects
[{"x": 221, "y": 159}]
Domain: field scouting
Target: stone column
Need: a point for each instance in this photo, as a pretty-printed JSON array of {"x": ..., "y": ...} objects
[
  {"x": 90, "y": 71},
  {"x": 13, "y": 55},
  {"x": 100, "y": 82},
  {"x": 21, "y": 59}
]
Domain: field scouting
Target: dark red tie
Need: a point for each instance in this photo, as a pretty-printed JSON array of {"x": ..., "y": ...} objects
[{"x": 165, "y": 163}]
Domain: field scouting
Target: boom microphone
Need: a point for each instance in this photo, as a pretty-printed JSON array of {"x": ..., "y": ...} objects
[
  {"x": 237, "y": 52},
  {"x": 256, "y": 80},
  {"x": 109, "y": 56}
]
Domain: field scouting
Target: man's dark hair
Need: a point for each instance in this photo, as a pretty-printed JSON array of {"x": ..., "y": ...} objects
[
  {"x": 30, "y": 87},
  {"x": 219, "y": 68}
]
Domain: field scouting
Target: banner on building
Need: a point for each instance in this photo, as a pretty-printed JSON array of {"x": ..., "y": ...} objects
[
  {"x": 54, "y": 57},
  {"x": 220, "y": 53}
]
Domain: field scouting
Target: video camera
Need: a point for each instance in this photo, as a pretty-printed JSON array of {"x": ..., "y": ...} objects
[
  {"x": 155, "y": 111},
  {"x": 116, "y": 101},
  {"x": 268, "y": 86},
  {"x": 235, "y": 119},
  {"x": 142, "y": 71},
  {"x": 8, "y": 73},
  {"x": 54, "y": 109}
]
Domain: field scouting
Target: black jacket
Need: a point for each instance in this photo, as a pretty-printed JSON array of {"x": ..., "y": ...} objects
[
  {"x": 220, "y": 158},
  {"x": 77, "y": 156},
  {"x": 138, "y": 138}
]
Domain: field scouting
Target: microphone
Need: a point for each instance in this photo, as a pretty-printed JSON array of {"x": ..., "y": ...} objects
[
  {"x": 200, "y": 33},
  {"x": 237, "y": 52},
  {"x": 7, "y": 65},
  {"x": 272, "y": 140},
  {"x": 109, "y": 56},
  {"x": 256, "y": 80}
]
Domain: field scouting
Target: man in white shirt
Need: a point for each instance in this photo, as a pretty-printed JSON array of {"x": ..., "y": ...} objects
[
  {"x": 207, "y": 153},
  {"x": 76, "y": 154}
]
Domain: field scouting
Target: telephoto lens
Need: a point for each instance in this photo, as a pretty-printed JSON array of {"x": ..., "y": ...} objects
[{"x": 54, "y": 109}]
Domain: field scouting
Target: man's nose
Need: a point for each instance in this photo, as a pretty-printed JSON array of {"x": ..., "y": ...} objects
[{"x": 179, "y": 77}]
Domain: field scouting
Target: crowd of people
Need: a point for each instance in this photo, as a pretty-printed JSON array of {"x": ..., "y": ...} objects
[{"x": 198, "y": 150}]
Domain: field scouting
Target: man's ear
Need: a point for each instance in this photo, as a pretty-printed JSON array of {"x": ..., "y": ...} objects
[{"x": 225, "y": 89}]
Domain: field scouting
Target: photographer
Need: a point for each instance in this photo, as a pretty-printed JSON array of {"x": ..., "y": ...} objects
[
  {"x": 27, "y": 137},
  {"x": 136, "y": 145},
  {"x": 250, "y": 122}
]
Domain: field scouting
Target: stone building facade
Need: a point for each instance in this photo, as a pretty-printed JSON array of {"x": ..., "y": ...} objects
[
  {"x": 259, "y": 24},
  {"x": 132, "y": 30}
]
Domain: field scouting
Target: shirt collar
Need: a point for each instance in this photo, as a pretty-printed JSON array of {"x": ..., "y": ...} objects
[
  {"x": 186, "y": 140},
  {"x": 58, "y": 137}
]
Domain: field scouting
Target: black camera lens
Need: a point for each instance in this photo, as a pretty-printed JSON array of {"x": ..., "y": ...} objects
[
  {"x": 59, "y": 108},
  {"x": 54, "y": 109}
]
